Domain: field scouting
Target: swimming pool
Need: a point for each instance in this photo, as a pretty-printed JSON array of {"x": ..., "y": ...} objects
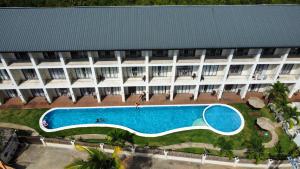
[{"x": 147, "y": 121}]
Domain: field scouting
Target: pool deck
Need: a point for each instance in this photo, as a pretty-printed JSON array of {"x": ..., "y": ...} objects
[{"x": 89, "y": 101}]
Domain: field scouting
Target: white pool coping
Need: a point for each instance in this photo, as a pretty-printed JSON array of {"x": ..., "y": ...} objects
[{"x": 208, "y": 127}]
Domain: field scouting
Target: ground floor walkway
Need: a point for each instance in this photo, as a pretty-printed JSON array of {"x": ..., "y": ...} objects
[
  {"x": 37, "y": 156},
  {"x": 89, "y": 101}
]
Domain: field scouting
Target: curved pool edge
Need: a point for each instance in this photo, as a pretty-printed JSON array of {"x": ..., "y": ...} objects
[
  {"x": 221, "y": 132},
  {"x": 207, "y": 126}
]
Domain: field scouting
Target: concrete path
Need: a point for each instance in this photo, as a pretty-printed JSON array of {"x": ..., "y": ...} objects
[
  {"x": 268, "y": 125},
  {"x": 19, "y": 127},
  {"x": 89, "y": 136}
]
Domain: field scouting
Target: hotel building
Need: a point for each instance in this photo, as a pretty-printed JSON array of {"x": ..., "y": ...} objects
[{"x": 102, "y": 51}]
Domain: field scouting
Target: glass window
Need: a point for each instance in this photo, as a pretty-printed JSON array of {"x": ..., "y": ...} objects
[
  {"x": 79, "y": 55},
  {"x": 236, "y": 69},
  {"x": 184, "y": 70},
  {"x": 29, "y": 74},
  {"x": 295, "y": 51},
  {"x": 133, "y": 53},
  {"x": 213, "y": 52},
  {"x": 241, "y": 52},
  {"x": 210, "y": 70},
  {"x": 106, "y": 54},
  {"x": 160, "y": 53},
  {"x": 22, "y": 56},
  {"x": 50, "y": 55},
  {"x": 268, "y": 51},
  {"x": 286, "y": 69},
  {"x": 187, "y": 52}
]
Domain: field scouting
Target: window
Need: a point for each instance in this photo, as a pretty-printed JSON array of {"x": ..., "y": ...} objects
[
  {"x": 3, "y": 75},
  {"x": 187, "y": 52},
  {"x": 50, "y": 55},
  {"x": 37, "y": 92},
  {"x": 210, "y": 70},
  {"x": 109, "y": 72},
  {"x": 79, "y": 55},
  {"x": 286, "y": 69},
  {"x": 295, "y": 51},
  {"x": 241, "y": 52},
  {"x": 135, "y": 71},
  {"x": 29, "y": 74},
  {"x": 11, "y": 93},
  {"x": 133, "y": 53},
  {"x": 213, "y": 52},
  {"x": 83, "y": 73},
  {"x": 208, "y": 88},
  {"x": 184, "y": 89},
  {"x": 160, "y": 53},
  {"x": 160, "y": 71},
  {"x": 22, "y": 56},
  {"x": 260, "y": 69},
  {"x": 268, "y": 51},
  {"x": 57, "y": 73},
  {"x": 62, "y": 92},
  {"x": 236, "y": 69},
  {"x": 184, "y": 70},
  {"x": 106, "y": 54},
  {"x": 87, "y": 91}
]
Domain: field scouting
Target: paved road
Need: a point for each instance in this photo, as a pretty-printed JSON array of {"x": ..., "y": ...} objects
[{"x": 39, "y": 157}]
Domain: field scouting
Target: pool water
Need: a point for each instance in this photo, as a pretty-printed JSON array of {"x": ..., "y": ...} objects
[{"x": 145, "y": 120}]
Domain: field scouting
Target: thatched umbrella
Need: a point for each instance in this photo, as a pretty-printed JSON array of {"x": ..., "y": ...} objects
[{"x": 256, "y": 102}]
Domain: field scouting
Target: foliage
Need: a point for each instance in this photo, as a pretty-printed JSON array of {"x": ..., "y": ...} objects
[
  {"x": 58, "y": 3},
  {"x": 119, "y": 137},
  {"x": 255, "y": 149},
  {"x": 96, "y": 160},
  {"x": 225, "y": 146},
  {"x": 278, "y": 93}
]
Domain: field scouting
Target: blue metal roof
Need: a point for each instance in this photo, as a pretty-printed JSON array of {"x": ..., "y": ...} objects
[{"x": 149, "y": 27}]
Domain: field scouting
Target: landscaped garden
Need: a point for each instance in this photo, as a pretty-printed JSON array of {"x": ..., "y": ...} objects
[{"x": 250, "y": 137}]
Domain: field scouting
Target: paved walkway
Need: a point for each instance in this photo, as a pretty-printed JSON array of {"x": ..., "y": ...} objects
[
  {"x": 268, "y": 125},
  {"x": 18, "y": 127}
]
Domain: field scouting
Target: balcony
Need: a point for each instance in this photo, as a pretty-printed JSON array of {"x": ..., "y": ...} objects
[
  {"x": 134, "y": 81},
  {"x": 133, "y": 62},
  {"x": 20, "y": 64},
  {"x": 30, "y": 84},
  {"x": 159, "y": 61},
  {"x": 110, "y": 82},
  {"x": 288, "y": 78},
  {"x": 212, "y": 79},
  {"x": 49, "y": 63},
  {"x": 6, "y": 84},
  {"x": 293, "y": 58},
  {"x": 237, "y": 79},
  {"x": 266, "y": 78},
  {"x": 188, "y": 60},
  {"x": 216, "y": 59},
  {"x": 56, "y": 83},
  {"x": 72, "y": 63},
  {"x": 270, "y": 58},
  {"x": 160, "y": 81},
  {"x": 243, "y": 59},
  {"x": 185, "y": 80},
  {"x": 105, "y": 62},
  {"x": 82, "y": 83}
]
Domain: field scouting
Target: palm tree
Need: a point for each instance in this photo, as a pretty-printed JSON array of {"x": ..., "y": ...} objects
[
  {"x": 255, "y": 149},
  {"x": 96, "y": 160},
  {"x": 225, "y": 147},
  {"x": 278, "y": 93},
  {"x": 119, "y": 137}
]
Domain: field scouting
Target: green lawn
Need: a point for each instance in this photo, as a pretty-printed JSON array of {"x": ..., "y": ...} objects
[{"x": 30, "y": 117}]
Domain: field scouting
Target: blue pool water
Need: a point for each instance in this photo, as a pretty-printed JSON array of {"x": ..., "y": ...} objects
[
  {"x": 146, "y": 120},
  {"x": 222, "y": 118}
]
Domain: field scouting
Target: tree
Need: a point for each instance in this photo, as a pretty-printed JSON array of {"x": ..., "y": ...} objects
[
  {"x": 96, "y": 160},
  {"x": 225, "y": 147},
  {"x": 119, "y": 137},
  {"x": 278, "y": 93},
  {"x": 255, "y": 149}
]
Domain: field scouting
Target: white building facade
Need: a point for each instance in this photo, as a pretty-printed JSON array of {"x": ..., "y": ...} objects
[{"x": 79, "y": 71}]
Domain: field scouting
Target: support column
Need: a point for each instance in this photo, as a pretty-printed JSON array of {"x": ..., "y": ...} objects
[
  {"x": 295, "y": 88},
  {"x": 226, "y": 74},
  {"x": 119, "y": 58},
  {"x": 257, "y": 56},
  {"x": 37, "y": 71},
  {"x": 63, "y": 62},
  {"x": 91, "y": 60},
  {"x": 12, "y": 79},
  {"x": 175, "y": 54},
  {"x": 284, "y": 57},
  {"x": 147, "y": 74},
  {"x": 196, "y": 92}
]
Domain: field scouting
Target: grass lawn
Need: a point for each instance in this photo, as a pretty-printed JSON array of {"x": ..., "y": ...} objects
[{"x": 30, "y": 117}]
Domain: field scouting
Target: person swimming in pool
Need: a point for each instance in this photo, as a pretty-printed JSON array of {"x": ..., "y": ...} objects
[{"x": 100, "y": 120}]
